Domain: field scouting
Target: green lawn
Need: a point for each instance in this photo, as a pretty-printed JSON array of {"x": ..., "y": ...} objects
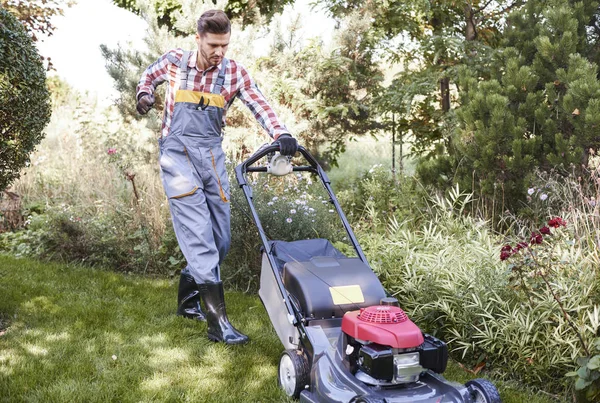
[{"x": 74, "y": 334}]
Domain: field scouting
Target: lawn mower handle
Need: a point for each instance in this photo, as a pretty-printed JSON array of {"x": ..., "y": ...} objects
[
  {"x": 245, "y": 166},
  {"x": 314, "y": 167}
]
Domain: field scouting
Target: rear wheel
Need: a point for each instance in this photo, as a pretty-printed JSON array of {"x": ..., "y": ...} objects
[
  {"x": 294, "y": 373},
  {"x": 483, "y": 391}
]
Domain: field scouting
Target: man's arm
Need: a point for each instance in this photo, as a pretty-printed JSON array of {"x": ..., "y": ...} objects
[
  {"x": 152, "y": 77},
  {"x": 258, "y": 105}
]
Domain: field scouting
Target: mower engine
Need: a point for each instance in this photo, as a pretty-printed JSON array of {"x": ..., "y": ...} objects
[{"x": 384, "y": 347}]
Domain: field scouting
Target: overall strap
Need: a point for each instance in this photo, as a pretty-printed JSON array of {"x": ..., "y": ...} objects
[
  {"x": 221, "y": 77},
  {"x": 184, "y": 70}
]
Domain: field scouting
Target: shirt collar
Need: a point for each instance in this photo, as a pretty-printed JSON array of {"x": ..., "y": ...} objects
[{"x": 192, "y": 63}]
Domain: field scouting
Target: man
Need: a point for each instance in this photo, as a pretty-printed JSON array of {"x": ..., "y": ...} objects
[{"x": 202, "y": 84}]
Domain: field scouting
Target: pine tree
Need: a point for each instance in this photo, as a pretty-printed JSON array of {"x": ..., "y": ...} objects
[{"x": 538, "y": 110}]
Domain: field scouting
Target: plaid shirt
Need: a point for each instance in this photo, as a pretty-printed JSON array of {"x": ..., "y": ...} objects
[{"x": 238, "y": 83}]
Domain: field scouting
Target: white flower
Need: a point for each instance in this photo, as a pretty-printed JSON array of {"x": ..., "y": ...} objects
[
  {"x": 530, "y": 191},
  {"x": 543, "y": 196},
  {"x": 275, "y": 198},
  {"x": 293, "y": 211},
  {"x": 274, "y": 211},
  {"x": 289, "y": 220},
  {"x": 312, "y": 210},
  {"x": 331, "y": 211},
  {"x": 114, "y": 357},
  {"x": 270, "y": 203}
]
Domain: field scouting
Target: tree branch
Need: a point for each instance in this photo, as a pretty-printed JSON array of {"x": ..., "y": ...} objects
[{"x": 506, "y": 9}]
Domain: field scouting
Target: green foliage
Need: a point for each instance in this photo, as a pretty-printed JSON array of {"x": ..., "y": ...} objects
[
  {"x": 36, "y": 15},
  {"x": 331, "y": 93},
  {"x": 537, "y": 110},
  {"x": 446, "y": 272},
  {"x": 24, "y": 99},
  {"x": 290, "y": 208},
  {"x": 587, "y": 376},
  {"x": 63, "y": 234},
  {"x": 372, "y": 199},
  {"x": 169, "y": 11}
]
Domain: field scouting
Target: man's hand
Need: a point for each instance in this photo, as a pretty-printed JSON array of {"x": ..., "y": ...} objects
[
  {"x": 287, "y": 144},
  {"x": 144, "y": 103}
]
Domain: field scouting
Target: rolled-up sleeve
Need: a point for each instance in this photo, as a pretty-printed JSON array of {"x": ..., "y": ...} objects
[{"x": 258, "y": 105}]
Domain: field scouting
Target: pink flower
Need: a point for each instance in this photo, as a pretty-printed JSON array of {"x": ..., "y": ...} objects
[
  {"x": 557, "y": 222},
  {"x": 536, "y": 238},
  {"x": 112, "y": 151}
]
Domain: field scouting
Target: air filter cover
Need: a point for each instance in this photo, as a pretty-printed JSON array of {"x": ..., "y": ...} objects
[
  {"x": 382, "y": 324},
  {"x": 382, "y": 314}
]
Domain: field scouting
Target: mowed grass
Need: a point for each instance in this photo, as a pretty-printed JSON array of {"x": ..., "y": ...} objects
[{"x": 74, "y": 334}]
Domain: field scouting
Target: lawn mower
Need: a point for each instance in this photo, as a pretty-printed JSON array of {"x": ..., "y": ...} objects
[{"x": 345, "y": 338}]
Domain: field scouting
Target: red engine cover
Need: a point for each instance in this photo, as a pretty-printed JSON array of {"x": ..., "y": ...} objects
[{"x": 383, "y": 324}]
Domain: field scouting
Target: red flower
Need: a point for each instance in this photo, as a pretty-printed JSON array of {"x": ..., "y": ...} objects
[
  {"x": 505, "y": 255},
  {"x": 557, "y": 222},
  {"x": 545, "y": 230},
  {"x": 506, "y": 248},
  {"x": 521, "y": 245},
  {"x": 536, "y": 238}
]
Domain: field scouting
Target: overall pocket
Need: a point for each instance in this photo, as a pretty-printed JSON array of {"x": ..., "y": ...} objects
[
  {"x": 202, "y": 122},
  {"x": 176, "y": 170}
]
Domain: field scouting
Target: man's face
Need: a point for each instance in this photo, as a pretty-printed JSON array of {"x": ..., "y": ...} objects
[{"x": 211, "y": 48}]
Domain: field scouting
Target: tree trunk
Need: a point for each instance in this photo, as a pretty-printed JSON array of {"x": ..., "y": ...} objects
[
  {"x": 471, "y": 28},
  {"x": 445, "y": 93}
]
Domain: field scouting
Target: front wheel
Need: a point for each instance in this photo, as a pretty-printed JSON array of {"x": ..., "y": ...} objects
[
  {"x": 294, "y": 373},
  {"x": 483, "y": 391}
]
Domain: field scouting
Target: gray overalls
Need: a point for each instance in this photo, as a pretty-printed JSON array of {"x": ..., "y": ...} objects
[{"x": 193, "y": 173}]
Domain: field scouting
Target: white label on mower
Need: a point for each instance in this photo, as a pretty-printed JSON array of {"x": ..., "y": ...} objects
[{"x": 347, "y": 294}]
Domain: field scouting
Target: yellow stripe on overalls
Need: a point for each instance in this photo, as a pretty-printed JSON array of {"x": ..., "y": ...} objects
[{"x": 194, "y": 98}]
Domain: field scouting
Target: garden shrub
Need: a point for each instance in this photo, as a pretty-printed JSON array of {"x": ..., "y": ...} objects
[
  {"x": 24, "y": 99},
  {"x": 116, "y": 241},
  {"x": 290, "y": 208},
  {"x": 375, "y": 195},
  {"x": 448, "y": 276}
]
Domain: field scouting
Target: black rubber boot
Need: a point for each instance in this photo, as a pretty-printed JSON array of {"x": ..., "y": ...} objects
[
  {"x": 219, "y": 328},
  {"x": 188, "y": 298}
]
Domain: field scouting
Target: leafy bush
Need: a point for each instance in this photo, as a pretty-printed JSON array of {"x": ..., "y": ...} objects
[
  {"x": 109, "y": 240},
  {"x": 375, "y": 196},
  {"x": 448, "y": 276},
  {"x": 588, "y": 376},
  {"x": 290, "y": 208},
  {"x": 24, "y": 99}
]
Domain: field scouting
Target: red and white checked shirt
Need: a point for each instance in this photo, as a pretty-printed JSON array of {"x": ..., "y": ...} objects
[{"x": 237, "y": 83}]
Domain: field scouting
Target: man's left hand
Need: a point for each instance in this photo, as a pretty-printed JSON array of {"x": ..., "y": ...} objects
[{"x": 287, "y": 144}]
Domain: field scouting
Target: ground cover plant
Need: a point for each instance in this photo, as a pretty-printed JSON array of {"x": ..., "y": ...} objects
[{"x": 71, "y": 333}]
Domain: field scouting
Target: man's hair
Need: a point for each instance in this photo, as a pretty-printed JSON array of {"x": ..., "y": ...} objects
[{"x": 214, "y": 22}]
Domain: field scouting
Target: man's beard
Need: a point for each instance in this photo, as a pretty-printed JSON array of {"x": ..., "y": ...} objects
[{"x": 210, "y": 61}]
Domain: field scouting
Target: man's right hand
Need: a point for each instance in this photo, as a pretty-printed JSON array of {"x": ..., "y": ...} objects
[{"x": 144, "y": 103}]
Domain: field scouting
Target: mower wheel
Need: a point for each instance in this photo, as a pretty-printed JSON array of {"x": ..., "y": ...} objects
[
  {"x": 294, "y": 373},
  {"x": 483, "y": 391}
]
